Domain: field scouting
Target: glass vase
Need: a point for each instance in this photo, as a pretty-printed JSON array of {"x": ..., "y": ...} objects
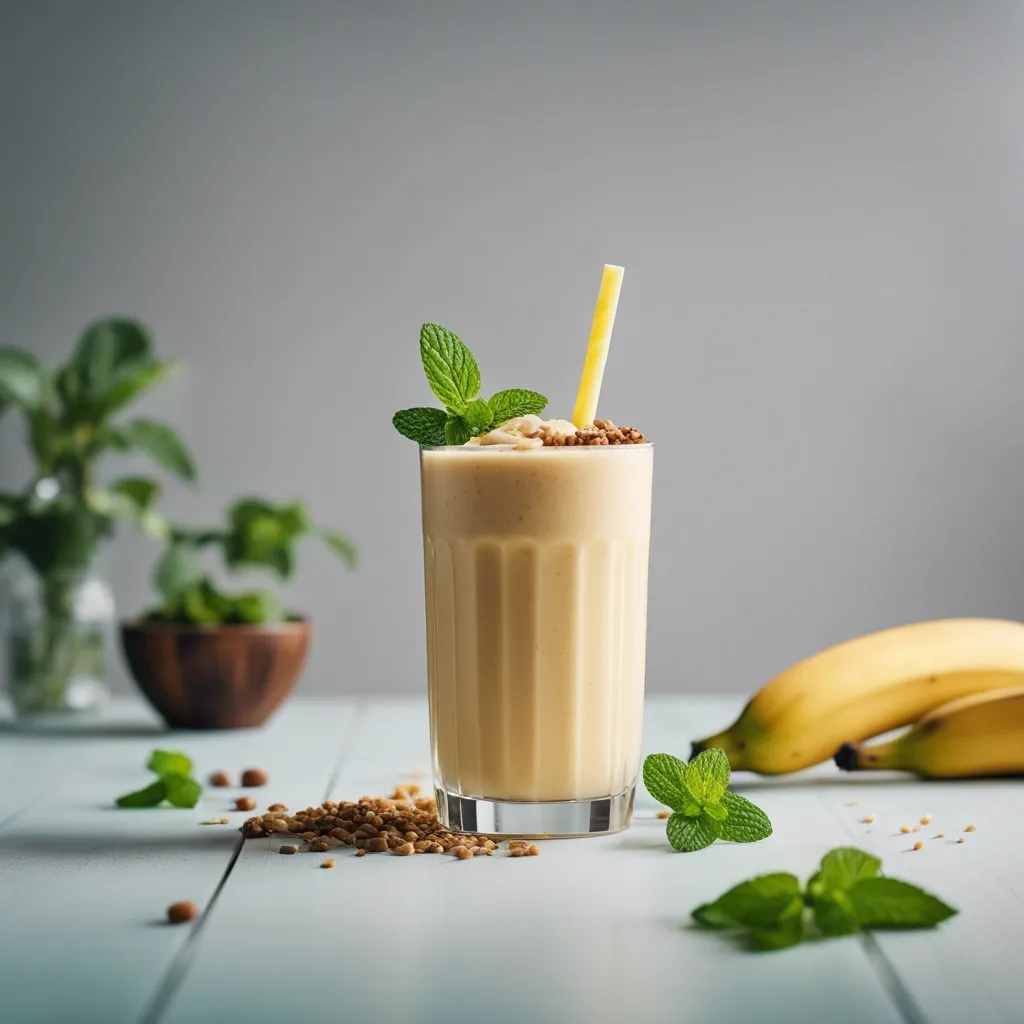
[{"x": 59, "y": 631}]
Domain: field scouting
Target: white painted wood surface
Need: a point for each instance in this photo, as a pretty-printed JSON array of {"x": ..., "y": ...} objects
[{"x": 592, "y": 930}]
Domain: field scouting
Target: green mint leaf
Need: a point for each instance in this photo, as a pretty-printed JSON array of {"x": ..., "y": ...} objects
[
  {"x": 746, "y": 823},
  {"x": 423, "y": 425},
  {"x": 890, "y": 903},
  {"x": 478, "y": 415},
  {"x": 168, "y": 762},
  {"x": 716, "y": 811},
  {"x": 457, "y": 430},
  {"x": 690, "y": 834},
  {"x": 663, "y": 777},
  {"x": 762, "y": 902},
  {"x": 834, "y": 914},
  {"x": 692, "y": 810},
  {"x": 182, "y": 791},
  {"x": 152, "y": 795},
  {"x": 841, "y": 869},
  {"x": 450, "y": 367},
  {"x": 788, "y": 932},
  {"x": 513, "y": 402},
  {"x": 707, "y": 776}
]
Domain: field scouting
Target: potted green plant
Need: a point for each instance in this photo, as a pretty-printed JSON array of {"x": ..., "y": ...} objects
[
  {"x": 208, "y": 659},
  {"x": 60, "y": 609}
]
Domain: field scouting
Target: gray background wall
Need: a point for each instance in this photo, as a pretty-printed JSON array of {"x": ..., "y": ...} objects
[{"x": 819, "y": 207}]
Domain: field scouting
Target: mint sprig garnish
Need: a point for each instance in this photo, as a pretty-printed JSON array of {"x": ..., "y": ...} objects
[
  {"x": 847, "y": 894},
  {"x": 703, "y": 808},
  {"x": 174, "y": 783},
  {"x": 454, "y": 377}
]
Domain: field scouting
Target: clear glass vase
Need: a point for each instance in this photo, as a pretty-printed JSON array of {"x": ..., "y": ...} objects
[{"x": 59, "y": 631}]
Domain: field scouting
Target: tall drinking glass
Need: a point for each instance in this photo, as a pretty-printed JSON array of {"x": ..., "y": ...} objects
[{"x": 536, "y": 598}]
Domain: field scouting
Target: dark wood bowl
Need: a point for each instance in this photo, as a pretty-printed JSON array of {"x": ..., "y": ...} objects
[{"x": 215, "y": 677}]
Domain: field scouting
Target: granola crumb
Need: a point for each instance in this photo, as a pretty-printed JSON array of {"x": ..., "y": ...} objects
[
  {"x": 277, "y": 807},
  {"x": 360, "y": 853},
  {"x": 220, "y": 779},
  {"x": 288, "y": 849},
  {"x": 328, "y": 863},
  {"x": 254, "y": 777},
  {"x": 971, "y": 828},
  {"x": 185, "y": 910},
  {"x": 603, "y": 432},
  {"x": 663, "y": 814},
  {"x": 245, "y": 803}
]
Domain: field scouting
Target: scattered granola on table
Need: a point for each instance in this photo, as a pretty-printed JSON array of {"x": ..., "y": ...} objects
[{"x": 403, "y": 825}]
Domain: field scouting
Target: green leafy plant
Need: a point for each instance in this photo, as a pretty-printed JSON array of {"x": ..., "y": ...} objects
[
  {"x": 71, "y": 414},
  {"x": 174, "y": 783},
  {"x": 703, "y": 808},
  {"x": 847, "y": 894},
  {"x": 454, "y": 377},
  {"x": 257, "y": 534}
]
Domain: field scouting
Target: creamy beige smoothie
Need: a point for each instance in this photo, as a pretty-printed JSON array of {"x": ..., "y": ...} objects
[{"x": 536, "y": 596}]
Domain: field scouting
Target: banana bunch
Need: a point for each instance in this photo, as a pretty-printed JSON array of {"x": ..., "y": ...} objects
[{"x": 875, "y": 683}]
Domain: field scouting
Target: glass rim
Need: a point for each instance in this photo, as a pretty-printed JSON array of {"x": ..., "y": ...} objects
[{"x": 479, "y": 448}]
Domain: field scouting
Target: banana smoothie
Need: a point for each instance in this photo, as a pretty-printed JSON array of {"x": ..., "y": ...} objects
[
  {"x": 535, "y": 537},
  {"x": 536, "y": 593}
]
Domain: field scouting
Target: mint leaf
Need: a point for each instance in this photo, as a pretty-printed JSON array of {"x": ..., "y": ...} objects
[
  {"x": 513, "y": 402},
  {"x": 423, "y": 425},
  {"x": 707, "y": 776},
  {"x": 761, "y": 902},
  {"x": 457, "y": 430},
  {"x": 842, "y": 868},
  {"x": 167, "y": 762},
  {"x": 833, "y": 913},
  {"x": 690, "y": 834},
  {"x": 890, "y": 903},
  {"x": 788, "y": 932},
  {"x": 663, "y": 777},
  {"x": 451, "y": 370},
  {"x": 692, "y": 810},
  {"x": 746, "y": 823},
  {"x": 478, "y": 415},
  {"x": 181, "y": 790},
  {"x": 152, "y": 795},
  {"x": 716, "y": 811}
]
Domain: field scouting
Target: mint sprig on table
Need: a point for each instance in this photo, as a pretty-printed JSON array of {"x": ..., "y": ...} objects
[
  {"x": 174, "y": 783},
  {"x": 454, "y": 377},
  {"x": 704, "y": 809},
  {"x": 846, "y": 895}
]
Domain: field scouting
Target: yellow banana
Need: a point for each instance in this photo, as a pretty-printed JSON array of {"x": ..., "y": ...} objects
[
  {"x": 867, "y": 686},
  {"x": 982, "y": 734}
]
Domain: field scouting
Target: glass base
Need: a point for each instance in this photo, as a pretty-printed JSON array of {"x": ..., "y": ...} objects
[{"x": 549, "y": 819}]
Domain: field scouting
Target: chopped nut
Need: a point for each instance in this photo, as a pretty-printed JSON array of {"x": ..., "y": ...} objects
[
  {"x": 938, "y": 835},
  {"x": 663, "y": 814},
  {"x": 319, "y": 847},
  {"x": 329, "y": 863},
  {"x": 220, "y": 779},
  {"x": 463, "y": 853},
  {"x": 961, "y": 840},
  {"x": 404, "y": 850},
  {"x": 254, "y": 777},
  {"x": 177, "y": 913},
  {"x": 971, "y": 828},
  {"x": 277, "y": 807},
  {"x": 533, "y": 851},
  {"x": 918, "y": 845},
  {"x": 288, "y": 849},
  {"x": 926, "y": 819},
  {"x": 378, "y": 844},
  {"x": 245, "y": 803},
  {"x": 904, "y": 828},
  {"x": 868, "y": 819},
  {"x": 516, "y": 851}
]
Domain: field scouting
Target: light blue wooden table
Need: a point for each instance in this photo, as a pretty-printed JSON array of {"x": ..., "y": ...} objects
[{"x": 592, "y": 930}]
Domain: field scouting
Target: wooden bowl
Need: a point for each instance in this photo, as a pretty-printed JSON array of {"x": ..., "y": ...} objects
[{"x": 215, "y": 677}]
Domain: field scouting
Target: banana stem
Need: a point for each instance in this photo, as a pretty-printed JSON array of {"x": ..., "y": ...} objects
[
  {"x": 852, "y": 757},
  {"x": 724, "y": 741}
]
